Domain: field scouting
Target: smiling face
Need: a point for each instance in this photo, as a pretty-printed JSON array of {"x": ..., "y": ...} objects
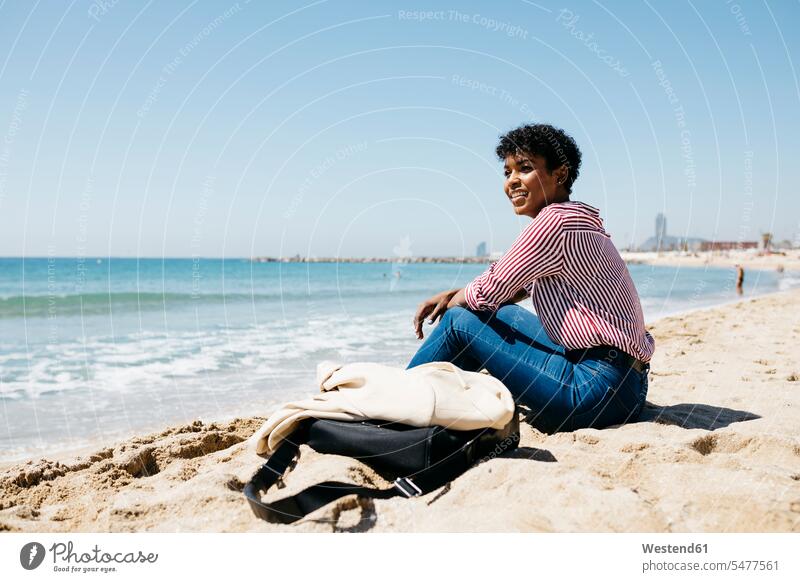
[{"x": 530, "y": 186}]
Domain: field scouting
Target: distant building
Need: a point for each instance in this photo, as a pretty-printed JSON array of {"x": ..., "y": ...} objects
[
  {"x": 726, "y": 245},
  {"x": 481, "y": 250},
  {"x": 661, "y": 230},
  {"x": 661, "y": 241}
]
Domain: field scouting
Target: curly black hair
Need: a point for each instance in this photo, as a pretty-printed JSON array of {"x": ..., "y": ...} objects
[{"x": 555, "y": 146}]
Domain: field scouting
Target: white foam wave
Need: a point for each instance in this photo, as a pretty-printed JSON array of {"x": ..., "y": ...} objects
[
  {"x": 788, "y": 282},
  {"x": 158, "y": 360}
]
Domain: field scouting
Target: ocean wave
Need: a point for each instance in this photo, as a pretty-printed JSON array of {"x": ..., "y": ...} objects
[
  {"x": 29, "y": 306},
  {"x": 209, "y": 361},
  {"x": 789, "y": 282}
]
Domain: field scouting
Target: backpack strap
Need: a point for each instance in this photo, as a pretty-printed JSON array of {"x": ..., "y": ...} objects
[{"x": 293, "y": 508}]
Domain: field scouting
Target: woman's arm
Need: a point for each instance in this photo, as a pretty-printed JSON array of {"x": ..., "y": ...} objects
[
  {"x": 537, "y": 252},
  {"x": 438, "y": 304},
  {"x": 521, "y": 295},
  {"x": 459, "y": 299}
]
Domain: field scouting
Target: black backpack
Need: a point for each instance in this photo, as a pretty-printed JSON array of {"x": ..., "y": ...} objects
[{"x": 419, "y": 460}]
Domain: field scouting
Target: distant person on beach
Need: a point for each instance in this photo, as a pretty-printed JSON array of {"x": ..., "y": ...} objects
[
  {"x": 582, "y": 360},
  {"x": 739, "y": 279}
]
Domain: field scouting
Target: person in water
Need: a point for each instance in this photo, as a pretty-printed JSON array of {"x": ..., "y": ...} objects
[
  {"x": 582, "y": 360},
  {"x": 739, "y": 278}
]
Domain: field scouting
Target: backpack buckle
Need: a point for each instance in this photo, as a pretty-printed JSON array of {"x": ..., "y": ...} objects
[{"x": 407, "y": 487}]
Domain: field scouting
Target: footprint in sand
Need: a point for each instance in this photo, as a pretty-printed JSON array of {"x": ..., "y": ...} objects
[{"x": 724, "y": 443}]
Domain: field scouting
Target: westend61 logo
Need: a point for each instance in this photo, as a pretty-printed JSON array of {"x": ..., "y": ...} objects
[{"x": 66, "y": 559}]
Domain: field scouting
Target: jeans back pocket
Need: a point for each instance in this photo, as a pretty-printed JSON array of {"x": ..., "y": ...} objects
[{"x": 622, "y": 402}]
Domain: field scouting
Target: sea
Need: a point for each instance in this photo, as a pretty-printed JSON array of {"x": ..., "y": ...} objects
[{"x": 98, "y": 349}]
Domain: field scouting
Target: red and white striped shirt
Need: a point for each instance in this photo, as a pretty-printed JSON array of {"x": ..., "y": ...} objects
[{"x": 580, "y": 286}]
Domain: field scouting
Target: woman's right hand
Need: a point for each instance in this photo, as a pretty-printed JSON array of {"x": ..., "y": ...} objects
[{"x": 432, "y": 309}]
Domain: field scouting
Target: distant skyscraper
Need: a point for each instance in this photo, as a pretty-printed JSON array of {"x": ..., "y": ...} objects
[
  {"x": 481, "y": 250},
  {"x": 661, "y": 229}
]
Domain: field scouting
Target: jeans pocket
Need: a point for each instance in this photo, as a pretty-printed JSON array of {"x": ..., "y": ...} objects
[
  {"x": 622, "y": 403},
  {"x": 642, "y": 394},
  {"x": 632, "y": 395},
  {"x": 597, "y": 415}
]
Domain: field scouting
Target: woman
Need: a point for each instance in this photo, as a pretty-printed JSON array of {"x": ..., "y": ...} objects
[{"x": 582, "y": 361}]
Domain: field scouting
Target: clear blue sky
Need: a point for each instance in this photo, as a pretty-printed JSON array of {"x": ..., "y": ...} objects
[{"x": 364, "y": 129}]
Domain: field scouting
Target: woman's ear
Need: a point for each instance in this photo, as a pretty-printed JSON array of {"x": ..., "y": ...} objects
[{"x": 561, "y": 174}]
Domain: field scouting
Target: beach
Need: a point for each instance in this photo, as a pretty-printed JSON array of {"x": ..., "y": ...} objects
[
  {"x": 94, "y": 351},
  {"x": 717, "y": 449}
]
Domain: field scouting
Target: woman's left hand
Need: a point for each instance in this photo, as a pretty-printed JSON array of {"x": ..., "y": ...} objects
[{"x": 432, "y": 308}]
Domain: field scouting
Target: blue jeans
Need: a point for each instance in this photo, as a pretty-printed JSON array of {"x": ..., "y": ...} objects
[{"x": 562, "y": 391}]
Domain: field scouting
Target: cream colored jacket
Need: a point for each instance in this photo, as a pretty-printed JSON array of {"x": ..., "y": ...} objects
[{"x": 437, "y": 393}]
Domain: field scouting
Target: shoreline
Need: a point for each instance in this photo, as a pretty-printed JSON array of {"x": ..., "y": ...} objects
[
  {"x": 788, "y": 258},
  {"x": 71, "y": 452},
  {"x": 68, "y": 454},
  {"x": 724, "y": 303},
  {"x": 722, "y": 420}
]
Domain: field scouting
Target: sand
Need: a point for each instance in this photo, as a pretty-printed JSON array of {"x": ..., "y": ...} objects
[{"x": 716, "y": 450}]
